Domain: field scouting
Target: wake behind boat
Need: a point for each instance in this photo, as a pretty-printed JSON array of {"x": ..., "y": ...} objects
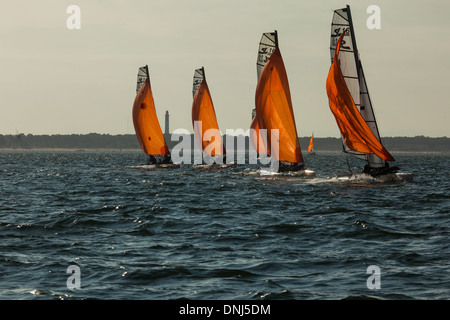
[
  {"x": 350, "y": 103},
  {"x": 156, "y": 166},
  {"x": 267, "y": 171},
  {"x": 387, "y": 177}
]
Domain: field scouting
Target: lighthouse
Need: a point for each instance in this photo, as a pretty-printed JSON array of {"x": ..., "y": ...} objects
[{"x": 166, "y": 129}]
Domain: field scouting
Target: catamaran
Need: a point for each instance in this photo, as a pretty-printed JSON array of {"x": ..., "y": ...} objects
[
  {"x": 273, "y": 110},
  {"x": 350, "y": 102},
  {"x": 204, "y": 120},
  {"x": 146, "y": 124}
]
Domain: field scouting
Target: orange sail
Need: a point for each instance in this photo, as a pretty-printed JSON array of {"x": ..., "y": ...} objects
[
  {"x": 356, "y": 133},
  {"x": 274, "y": 109},
  {"x": 145, "y": 120},
  {"x": 311, "y": 144},
  {"x": 204, "y": 114},
  {"x": 256, "y": 137}
]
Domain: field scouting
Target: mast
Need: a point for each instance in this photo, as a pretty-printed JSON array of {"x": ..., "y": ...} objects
[
  {"x": 361, "y": 76},
  {"x": 365, "y": 110},
  {"x": 366, "y": 92},
  {"x": 276, "y": 38},
  {"x": 352, "y": 35}
]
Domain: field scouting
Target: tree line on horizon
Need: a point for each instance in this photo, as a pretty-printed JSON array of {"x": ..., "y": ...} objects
[{"x": 129, "y": 141}]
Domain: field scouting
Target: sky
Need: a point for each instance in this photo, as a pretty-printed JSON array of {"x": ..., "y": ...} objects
[{"x": 56, "y": 80}]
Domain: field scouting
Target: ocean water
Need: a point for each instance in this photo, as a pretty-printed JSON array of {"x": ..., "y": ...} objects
[{"x": 86, "y": 225}]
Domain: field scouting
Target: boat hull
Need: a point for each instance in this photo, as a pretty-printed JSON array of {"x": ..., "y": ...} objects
[{"x": 214, "y": 166}]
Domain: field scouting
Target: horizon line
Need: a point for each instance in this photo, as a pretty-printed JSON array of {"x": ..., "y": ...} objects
[{"x": 191, "y": 133}]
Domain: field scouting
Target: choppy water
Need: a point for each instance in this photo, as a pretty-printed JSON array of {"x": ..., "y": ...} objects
[{"x": 225, "y": 234}]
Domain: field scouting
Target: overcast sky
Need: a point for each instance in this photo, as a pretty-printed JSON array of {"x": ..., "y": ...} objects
[{"x": 54, "y": 80}]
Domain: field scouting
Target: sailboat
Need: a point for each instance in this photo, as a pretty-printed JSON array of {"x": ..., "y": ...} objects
[
  {"x": 204, "y": 121},
  {"x": 273, "y": 109},
  {"x": 350, "y": 102},
  {"x": 146, "y": 124},
  {"x": 311, "y": 145}
]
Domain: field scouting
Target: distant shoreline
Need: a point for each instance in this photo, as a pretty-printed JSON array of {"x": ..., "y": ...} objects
[
  {"x": 72, "y": 149},
  {"x": 304, "y": 152},
  {"x": 129, "y": 143}
]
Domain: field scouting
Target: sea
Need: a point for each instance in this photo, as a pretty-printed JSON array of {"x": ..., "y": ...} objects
[{"x": 81, "y": 225}]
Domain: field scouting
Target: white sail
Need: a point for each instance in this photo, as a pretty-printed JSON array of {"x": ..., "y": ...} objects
[
  {"x": 199, "y": 76},
  {"x": 267, "y": 45},
  {"x": 354, "y": 76},
  {"x": 141, "y": 77}
]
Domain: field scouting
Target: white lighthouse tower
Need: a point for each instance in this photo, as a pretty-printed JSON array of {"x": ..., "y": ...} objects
[{"x": 166, "y": 129}]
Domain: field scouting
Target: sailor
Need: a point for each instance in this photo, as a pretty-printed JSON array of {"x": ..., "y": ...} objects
[
  {"x": 366, "y": 169},
  {"x": 166, "y": 159},
  {"x": 151, "y": 159},
  {"x": 378, "y": 171},
  {"x": 287, "y": 166}
]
